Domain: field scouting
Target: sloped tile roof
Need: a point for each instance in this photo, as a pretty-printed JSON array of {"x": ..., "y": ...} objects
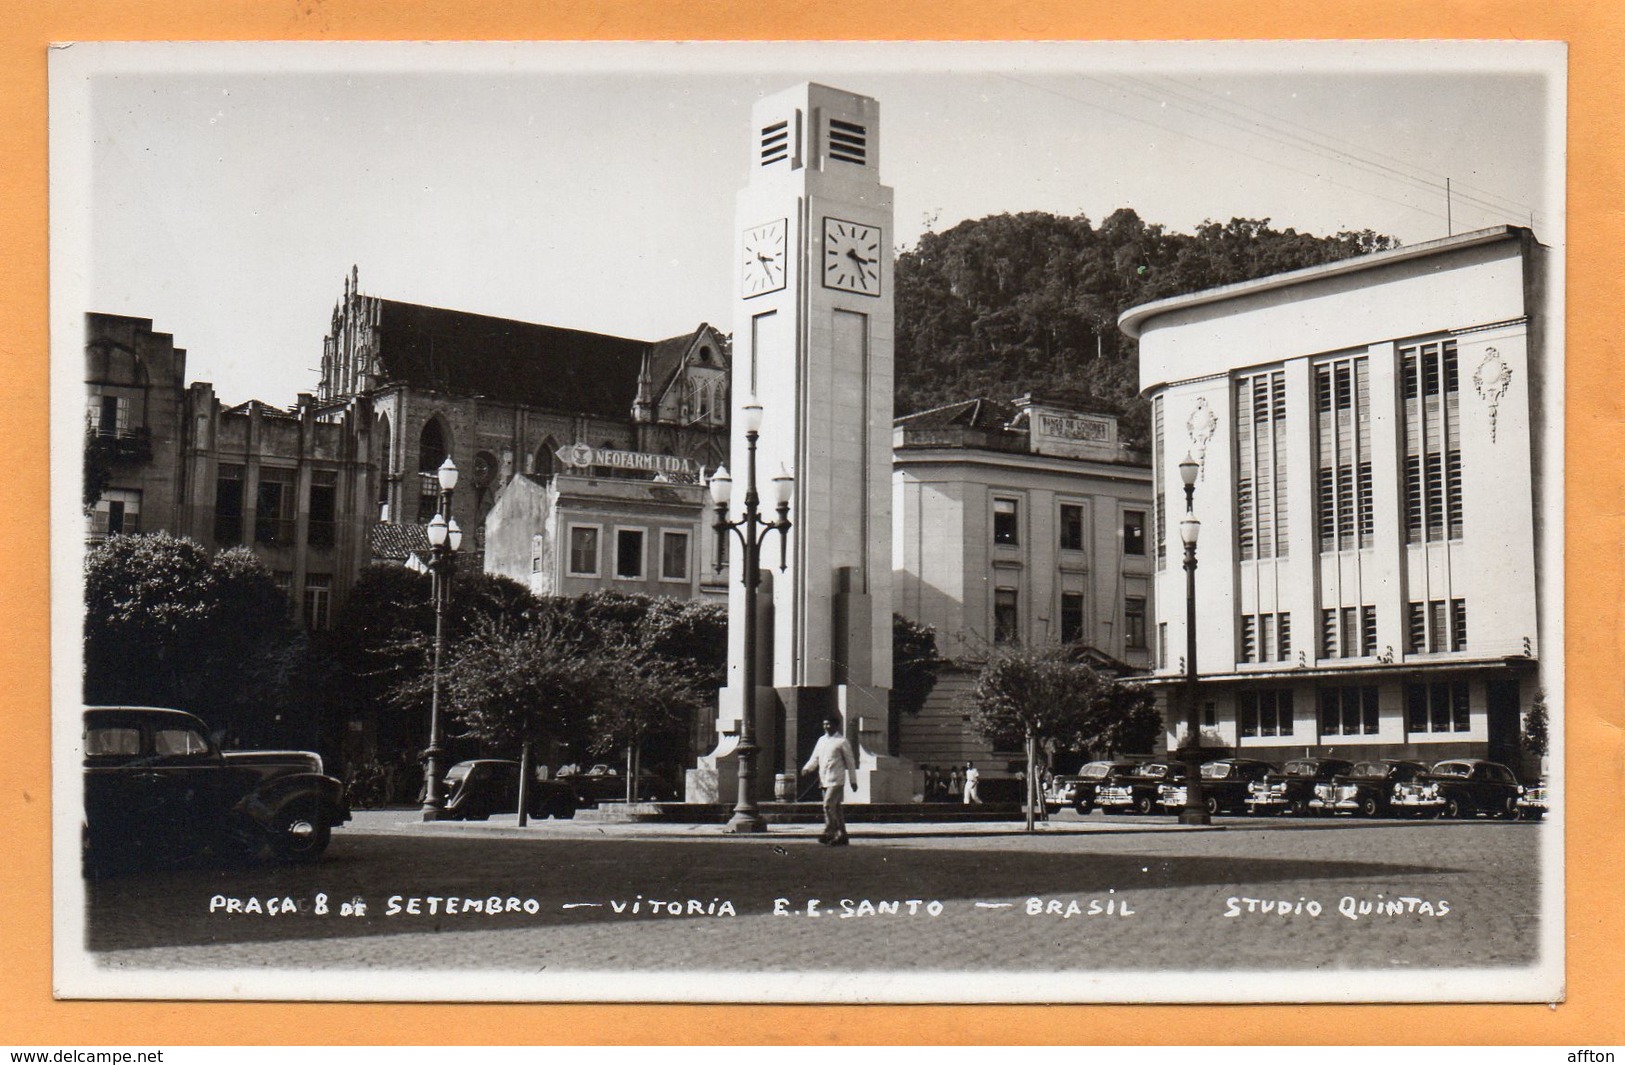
[
  {"x": 393, "y": 542},
  {"x": 978, "y": 413}
]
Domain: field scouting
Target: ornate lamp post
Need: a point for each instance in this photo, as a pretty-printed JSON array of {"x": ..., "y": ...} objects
[
  {"x": 444, "y": 540},
  {"x": 751, "y": 531},
  {"x": 1195, "y": 809}
]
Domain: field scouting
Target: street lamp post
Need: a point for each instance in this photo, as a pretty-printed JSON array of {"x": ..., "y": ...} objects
[
  {"x": 751, "y": 531},
  {"x": 1194, "y": 811},
  {"x": 444, "y": 540}
]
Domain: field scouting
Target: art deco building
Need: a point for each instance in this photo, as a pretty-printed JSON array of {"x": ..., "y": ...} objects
[{"x": 1379, "y": 495}]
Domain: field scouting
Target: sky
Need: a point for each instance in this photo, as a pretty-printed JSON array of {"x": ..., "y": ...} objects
[{"x": 225, "y": 191}]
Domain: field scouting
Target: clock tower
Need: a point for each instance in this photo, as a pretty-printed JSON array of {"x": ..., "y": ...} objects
[{"x": 813, "y": 343}]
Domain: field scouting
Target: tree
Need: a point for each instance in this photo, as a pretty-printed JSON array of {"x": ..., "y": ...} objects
[
  {"x": 167, "y": 625},
  {"x": 1028, "y": 302},
  {"x": 1044, "y": 695},
  {"x": 643, "y": 696},
  {"x": 1535, "y": 738},
  {"x": 915, "y": 667}
]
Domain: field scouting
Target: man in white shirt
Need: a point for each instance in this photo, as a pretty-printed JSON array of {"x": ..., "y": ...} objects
[
  {"x": 972, "y": 776},
  {"x": 835, "y": 762}
]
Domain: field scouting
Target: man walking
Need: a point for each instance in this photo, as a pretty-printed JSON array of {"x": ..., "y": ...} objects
[
  {"x": 835, "y": 762},
  {"x": 972, "y": 777}
]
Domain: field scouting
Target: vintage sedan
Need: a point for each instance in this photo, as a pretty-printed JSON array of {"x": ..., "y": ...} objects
[
  {"x": 1533, "y": 802},
  {"x": 476, "y": 789},
  {"x": 1290, "y": 789},
  {"x": 1225, "y": 783},
  {"x": 1460, "y": 787},
  {"x": 1136, "y": 791},
  {"x": 1368, "y": 788},
  {"x": 1078, "y": 791},
  {"x": 158, "y": 788}
]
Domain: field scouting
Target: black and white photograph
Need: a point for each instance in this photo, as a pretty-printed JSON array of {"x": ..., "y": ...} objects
[{"x": 808, "y": 522}]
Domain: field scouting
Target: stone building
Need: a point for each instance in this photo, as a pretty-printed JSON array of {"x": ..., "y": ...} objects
[
  {"x": 1379, "y": 492},
  {"x": 502, "y": 397},
  {"x": 1020, "y": 521},
  {"x": 293, "y": 486}
]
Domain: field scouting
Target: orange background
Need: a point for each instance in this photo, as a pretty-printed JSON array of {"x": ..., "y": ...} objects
[{"x": 1593, "y": 1013}]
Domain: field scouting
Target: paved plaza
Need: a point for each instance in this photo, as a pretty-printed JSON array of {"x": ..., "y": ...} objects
[{"x": 1109, "y": 894}]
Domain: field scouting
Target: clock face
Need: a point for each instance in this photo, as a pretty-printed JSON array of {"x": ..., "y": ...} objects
[
  {"x": 851, "y": 257},
  {"x": 762, "y": 259}
]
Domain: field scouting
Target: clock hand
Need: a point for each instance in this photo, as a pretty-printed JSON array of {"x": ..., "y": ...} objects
[{"x": 852, "y": 253}]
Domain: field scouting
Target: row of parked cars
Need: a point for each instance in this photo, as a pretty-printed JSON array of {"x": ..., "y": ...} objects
[{"x": 1382, "y": 787}]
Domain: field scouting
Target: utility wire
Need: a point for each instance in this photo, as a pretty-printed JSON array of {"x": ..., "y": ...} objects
[{"x": 1404, "y": 170}]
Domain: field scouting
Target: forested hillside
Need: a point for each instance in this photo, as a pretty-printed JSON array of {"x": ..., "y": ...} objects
[{"x": 1008, "y": 304}]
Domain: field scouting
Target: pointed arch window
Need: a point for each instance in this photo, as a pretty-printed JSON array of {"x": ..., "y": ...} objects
[{"x": 432, "y": 448}]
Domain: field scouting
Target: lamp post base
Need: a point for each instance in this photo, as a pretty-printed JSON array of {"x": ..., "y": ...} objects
[
  {"x": 1197, "y": 816},
  {"x": 742, "y": 822},
  {"x": 432, "y": 812}
]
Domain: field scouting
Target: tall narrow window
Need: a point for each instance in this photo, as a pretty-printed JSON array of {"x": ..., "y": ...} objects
[
  {"x": 1133, "y": 532},
  {"x": 1348, "y": 711},
  {"x": 1162, "y": 645},
  {"x": 1458, "y": 624},
  {"x": 583, "y": 551},
  {"x": 1437, "y": 635},
  {"x": 274, "y": 507},
  {"x": 1267, "y": 637},
  {"x": 1261, "y": 511},
  {"x": 1071, "y": 617},
  {"x": 1416, "y": 628},
  {"x": 1343, "y": 447},
  {"x": 1286, "y": 636},
  {"x": 1249, "y": 638},
  {"x": 228, "y": 506},
  {"x": 318, "y": 599},
  {"x": 1134, "y": 621},
  {"x": 673, "y": 555},
  {"x": 1006, "y": 623},
  {"x": 629, "y": 554},
  {"x": 1006, "y": 529},
  {"x": 321, "y": 528},
  {"x": 1368, "y": 631},
  {"x": 1431, "y": 391},
  {"x": 1071, "y": 527}
]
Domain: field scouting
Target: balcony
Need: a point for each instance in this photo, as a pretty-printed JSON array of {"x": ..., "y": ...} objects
[{"x": 120, "y": 445}]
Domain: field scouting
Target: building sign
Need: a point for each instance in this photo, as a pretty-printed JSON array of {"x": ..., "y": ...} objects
[
  {"x": 580, "y": 455},
  {"x": 1057, "y": 432},
  {"x": 1072, "y": 427}
]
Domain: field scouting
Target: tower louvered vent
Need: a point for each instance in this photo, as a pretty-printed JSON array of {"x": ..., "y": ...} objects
[
  {"x": 775, "y": 143},
  {"x": 848, "y": 142}
]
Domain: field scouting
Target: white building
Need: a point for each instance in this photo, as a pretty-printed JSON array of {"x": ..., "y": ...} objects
[
  {"x": 1377, "y": 495},
  {"x": 1024, "y": 522}
]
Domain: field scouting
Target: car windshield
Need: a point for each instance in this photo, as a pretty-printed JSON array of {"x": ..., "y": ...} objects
[
  {"x": 458, "y": 772},
  {"x": 1299, "y": 769},
  {"x": 1378, "y": 770},
  {"x": 1453, "y": 769},
  {"x": 1216, "y": 770},
  {"x": 1094, "y": 770},
  {"x": 1154, "y": 769}
]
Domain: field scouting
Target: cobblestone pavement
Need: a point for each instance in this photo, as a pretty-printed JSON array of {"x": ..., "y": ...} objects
[{"x": 1113, "y": 894}]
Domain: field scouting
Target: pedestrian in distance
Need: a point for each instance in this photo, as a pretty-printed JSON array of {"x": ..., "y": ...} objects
[
  {"x": 834, "y": 762},
  {"x": 972, "y": 775},
  {"x": 953, "y": 784}
]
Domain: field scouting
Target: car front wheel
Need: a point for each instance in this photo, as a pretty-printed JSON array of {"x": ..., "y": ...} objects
[
  {"x": 1455, "y": 809},
  {"x": 1369, "y": 807},
  {"x": 1142, "y": 805},
  {"x": 299, "y": 833}
]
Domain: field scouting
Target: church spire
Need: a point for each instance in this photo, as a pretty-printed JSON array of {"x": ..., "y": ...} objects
[{"x": 643, "y": 410}]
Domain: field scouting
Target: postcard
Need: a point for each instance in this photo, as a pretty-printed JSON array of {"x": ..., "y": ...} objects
[{"x": 799, "y": 522}]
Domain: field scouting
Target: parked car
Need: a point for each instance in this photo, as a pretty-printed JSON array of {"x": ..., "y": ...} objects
[
  {"x": 1368, "y": 788},
  {"x": 1290, "y": 789},
  {"x": 1224, "y": 785},
  {"x": 1532, "y": 803},
  {"x": 603, "y": 783},
  {"x": 476, "y": 789},
  {"x": 1136, "y": 791},
  {"x": 1078, "y": 791},
  {"x": 158, "y": 788},
  {"x": 1460, "y": 787}
]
